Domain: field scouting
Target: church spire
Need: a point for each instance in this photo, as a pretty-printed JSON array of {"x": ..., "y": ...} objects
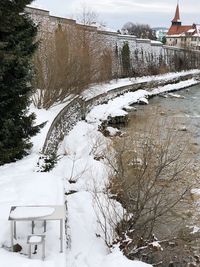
[{"x": 176, "y": 20}]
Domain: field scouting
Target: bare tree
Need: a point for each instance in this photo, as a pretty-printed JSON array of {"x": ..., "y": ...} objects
[
  {"x": 67, "y": 62},
  {"x": 150, "y": 179},
  {"x": 86, "y": 16},
  {"x": 143, "y": 31}
]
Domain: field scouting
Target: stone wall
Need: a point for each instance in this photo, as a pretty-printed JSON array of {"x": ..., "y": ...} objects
[
  {"x": 142, "y": 51},
  {"x": 142, "y": 47},
  {"x": 100, "y": 60},
  {"x": 77, "y": 110}
]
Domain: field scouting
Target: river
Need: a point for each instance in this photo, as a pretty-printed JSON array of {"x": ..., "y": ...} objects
[
  {"x": 182, "y": 109},
  {"x": 179, "y": 111}
]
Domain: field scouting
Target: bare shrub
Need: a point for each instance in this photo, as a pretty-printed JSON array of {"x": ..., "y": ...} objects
[
  {"x": 67, "y": 62},
  {"x": 151, "y": 168},
  {"x": 105, "y": 66},
  {"x": 54, "y": 64}
]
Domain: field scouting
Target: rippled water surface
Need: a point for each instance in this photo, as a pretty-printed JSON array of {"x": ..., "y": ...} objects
[{"x": 182, "y": 111}]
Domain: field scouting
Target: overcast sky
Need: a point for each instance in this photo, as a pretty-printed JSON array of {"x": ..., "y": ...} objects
[{"x": 115, "y": 13}]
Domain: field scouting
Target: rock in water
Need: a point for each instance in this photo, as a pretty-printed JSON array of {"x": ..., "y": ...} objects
[{"x": 143, "y": 101}]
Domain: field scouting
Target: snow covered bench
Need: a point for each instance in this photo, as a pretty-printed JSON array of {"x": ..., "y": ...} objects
[{"x": 36, "y": 213}]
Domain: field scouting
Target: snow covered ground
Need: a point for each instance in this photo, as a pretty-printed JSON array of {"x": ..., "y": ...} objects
[
  {"x": 77, "y": 171},
  {"x": 21, "y": 184},
  {"x": 81, "y": 150},
  {"x": 115, "y": 106},
  {"x": 105, "y": 87}
]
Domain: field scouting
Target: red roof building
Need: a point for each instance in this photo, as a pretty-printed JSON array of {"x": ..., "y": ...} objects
[{"x": 183, "y": 35}]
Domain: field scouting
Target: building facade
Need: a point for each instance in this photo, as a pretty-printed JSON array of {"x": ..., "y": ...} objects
[{"x": 183, "y": 36}]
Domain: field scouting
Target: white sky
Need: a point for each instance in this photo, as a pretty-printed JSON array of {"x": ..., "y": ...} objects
[{"x": 115, "y": 13}]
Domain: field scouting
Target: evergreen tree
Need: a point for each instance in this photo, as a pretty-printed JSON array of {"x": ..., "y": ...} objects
[
  {"x": 17, "y": 45},
  {"x": 126, "y": 62},
  {"x": 164, "y": 40}
]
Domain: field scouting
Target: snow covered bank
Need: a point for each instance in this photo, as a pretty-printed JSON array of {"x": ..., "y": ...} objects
[
  {"x": 173, "y": 87},
  {"x": 20, "y": 184},
  {"x": 79, "y": 107},
  {"x": 96, "y": 90},
  {"x": 83, "y": 167},
  {"x": 82, "y": 156},
  {"x": 115, "y": 106}
]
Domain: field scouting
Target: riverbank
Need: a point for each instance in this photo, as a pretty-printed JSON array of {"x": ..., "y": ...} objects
[
  {"x": 78, "y": 170},
  {"x": 82, "y": 150},
  {"x": 95, "y": 90},
  {"x": 116, "y": 106},
  {"x": 80, "y": 106},
  {"x": 177, "y": 114}
]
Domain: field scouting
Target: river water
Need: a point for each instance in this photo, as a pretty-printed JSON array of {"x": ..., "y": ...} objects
[{"x": 180, "y": 110}]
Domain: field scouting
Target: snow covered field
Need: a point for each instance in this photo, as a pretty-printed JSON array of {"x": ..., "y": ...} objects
[{"x": 77, "y": 171}]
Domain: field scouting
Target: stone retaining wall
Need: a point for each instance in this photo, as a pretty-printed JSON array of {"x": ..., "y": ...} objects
[{"x": 78, "y": 108}]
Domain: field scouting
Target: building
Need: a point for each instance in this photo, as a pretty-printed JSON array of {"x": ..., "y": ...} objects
[
  {"x": 183, "y": 36},
  {"x": 160, "y": 33}
]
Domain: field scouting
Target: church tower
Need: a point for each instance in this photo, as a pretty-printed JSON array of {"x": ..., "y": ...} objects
[
  {"x": 182, "y": 36},
  {"x": 176, "y": 21}
]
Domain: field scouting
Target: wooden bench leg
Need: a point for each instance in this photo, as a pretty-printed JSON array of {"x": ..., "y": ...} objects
[{"x": 61, "y": 235}]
